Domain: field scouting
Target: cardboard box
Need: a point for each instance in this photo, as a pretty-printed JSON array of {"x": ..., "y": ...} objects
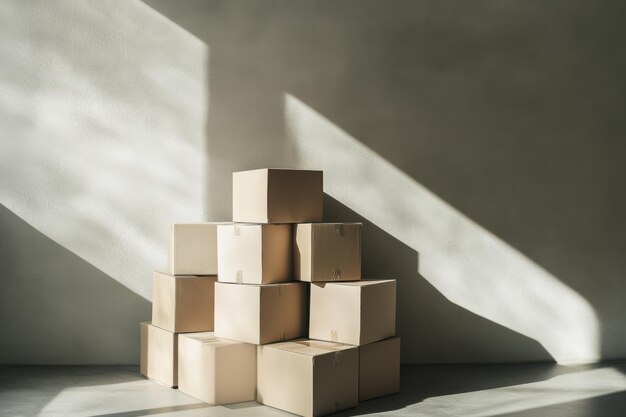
[
  {"x": 277, "y": 196},
  {"x": 327, "y": 252},
  {"x": 158, "y": 358},
  {"x": 183, "y": 304},
  {"x": 309, "y": 378},
  {"x": 379, "y": 368},
  {"x": 193, "y": 249},
  {"x": 214, "y": 370},
  {"x": 255, "y": 253},
  {"x": 356, "y": 313},
  {"x": 260, "y": 314}
]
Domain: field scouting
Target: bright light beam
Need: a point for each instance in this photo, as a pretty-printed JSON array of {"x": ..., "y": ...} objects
[
  {"x": 466, "y": 263},
  {"x": 102, "y": 129}
]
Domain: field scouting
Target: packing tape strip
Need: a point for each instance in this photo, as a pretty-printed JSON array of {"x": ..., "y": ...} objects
[
  {"x": 236, "y": 230},
  {"x": 335, "y": 274},
  {"x": 338, "y": 229},
  {"x": 282, "y": 289},
  {"x": 239, "y": 277},
  {"x": 333, "y": 336},
  {"x": 336, "y": 357}
]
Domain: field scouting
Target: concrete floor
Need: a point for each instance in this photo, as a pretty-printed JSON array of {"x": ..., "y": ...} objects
[{"x": 444, "y": 390}]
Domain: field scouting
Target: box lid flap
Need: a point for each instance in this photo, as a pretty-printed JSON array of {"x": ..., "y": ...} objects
[{"x": 311, "y": 347}]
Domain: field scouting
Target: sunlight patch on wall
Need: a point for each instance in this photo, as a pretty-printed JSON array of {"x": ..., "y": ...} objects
[
  {"x": 102, "y": 129},
  {"x": 466, "y": 263}
]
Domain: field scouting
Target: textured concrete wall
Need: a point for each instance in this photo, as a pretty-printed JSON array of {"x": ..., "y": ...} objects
[
  {"x": 479, "y": 142},
  {"x": 102, "y": 145}
]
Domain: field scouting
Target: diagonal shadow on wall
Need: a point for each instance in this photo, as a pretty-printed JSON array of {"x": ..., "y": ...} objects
[
  {"x": 80, "y": 314},
  {"x": 505, "y": 111},
  {"x": 377, "y": 71},
  {"x": 431, "y": 326}
]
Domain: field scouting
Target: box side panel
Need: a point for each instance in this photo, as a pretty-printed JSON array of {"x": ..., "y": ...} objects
[
  {"x": 196, "y": 373},
  {"x": 276, "y": 253},
  {"x": 283, "y": 312},
  {"x": 162, "y": 356},
  {"x": 335, "y": 313},
  {"x": 302, "y": 252},
  {"x": 336, "y": 252},
  {"x": 250, "y": 196},
  {"x": 285, "y": 380},
  {"x": 239, "y": 254},
  {"x": 163, "y": 301},
  {"x": 378, "y": 311},
  {"x": 143, "y": 342},
  {"x": 193, "y": 248},
  {"x": 237, "y": 312},
  {"x": 379, "y": 368},
  {"x": 235, "y": 374},
  {"x": 294, "y": 301},
  {"x": 294, "y": 196},
  {"x": 194, "y": 304},
  {"x": 335, "y": 381}
]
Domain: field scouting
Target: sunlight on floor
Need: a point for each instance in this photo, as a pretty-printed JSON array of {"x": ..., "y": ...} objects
[
  {"x": 558, "y": 390},
  {"x": 119, "y": 398},
  {"x": 121, "y": 392},
  {"x": 466, "y": 263}
]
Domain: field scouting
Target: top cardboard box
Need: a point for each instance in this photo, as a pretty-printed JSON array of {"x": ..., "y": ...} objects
[{"x": 277, "y": 196}]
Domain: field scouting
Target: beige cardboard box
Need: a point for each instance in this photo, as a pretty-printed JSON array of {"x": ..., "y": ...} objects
[
  {"x": 255, "y": 253},
  {"x": 214, "y": 370},
  {"x": 158, "y": 359},
  {"x": 306, "y": 377},
  {"x": 193, "y": 249},
  {"x": 356, "y": 313},
  {"x": 183, "y": 304},
  {"x": 379, "y": 368},
  {"x": 260, "y": 314},
  {"x": 327, "y": 252},
  {"x": 277, "y": 196}
]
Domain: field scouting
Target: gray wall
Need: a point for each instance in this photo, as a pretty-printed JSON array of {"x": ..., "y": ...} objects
[
  {"x": 102, "y": 146},
  {"x": 479, "y": 142}
]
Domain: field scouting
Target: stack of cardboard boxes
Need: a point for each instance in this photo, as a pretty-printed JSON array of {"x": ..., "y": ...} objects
[{"x": 282, "y": 276}]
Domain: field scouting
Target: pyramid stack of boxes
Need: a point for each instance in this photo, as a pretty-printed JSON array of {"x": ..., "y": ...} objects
[{"x": 272, "y": 307}]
